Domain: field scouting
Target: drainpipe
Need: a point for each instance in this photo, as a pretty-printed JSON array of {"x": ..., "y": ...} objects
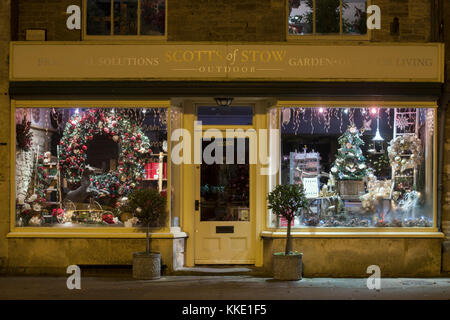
[
  {"x": 433, "y": 18},
  {"x": 443, "y": 104}
]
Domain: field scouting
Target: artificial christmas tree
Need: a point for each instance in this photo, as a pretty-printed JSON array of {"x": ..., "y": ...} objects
[{"x": 349, "y": 168}]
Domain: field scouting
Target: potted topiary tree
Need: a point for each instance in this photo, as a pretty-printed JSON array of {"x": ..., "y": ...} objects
[
  {"x": 287, "y": 201},
  {"x": 149, "y": 206}
]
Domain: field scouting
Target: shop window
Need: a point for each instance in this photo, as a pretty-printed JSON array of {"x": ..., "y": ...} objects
[
  {"x": 360, "y": 167},
  {"x": 77, "y": 166},
  {"x": 327, "y": 17},
  {"x": 125, "y": 17}
]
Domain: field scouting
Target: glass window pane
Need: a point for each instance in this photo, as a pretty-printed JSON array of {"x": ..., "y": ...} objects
[
  {"x": 354, "y": 17},
  {"x": 125, "y": 17},
  {"x": 98, "y": 17},
  {"x": 225, "y": 115},
  {"x": 300, "y": 17},
  {"x": 225, "y": 184},
  {"x": 76, "y": 167},
  {"x": 361, "y": 167},
  {"x": 327, "y": 16},
  {"x": 153, "y": 17}
]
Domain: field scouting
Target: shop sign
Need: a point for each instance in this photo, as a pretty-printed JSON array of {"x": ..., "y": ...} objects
[{"x": 263, "y": 62}]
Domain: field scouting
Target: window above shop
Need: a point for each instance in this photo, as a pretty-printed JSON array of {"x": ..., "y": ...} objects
[
  {"x": 125, "y": 18},
  {"x": 327, "y": 18}
]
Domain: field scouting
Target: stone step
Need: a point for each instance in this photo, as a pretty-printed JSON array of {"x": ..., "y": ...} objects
[{"x": 221, "y": 270}]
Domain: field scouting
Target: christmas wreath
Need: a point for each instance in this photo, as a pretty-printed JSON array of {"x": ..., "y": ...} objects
[
  {"x": 405, "y": 152},
  {"x": 117, "y": 125}
]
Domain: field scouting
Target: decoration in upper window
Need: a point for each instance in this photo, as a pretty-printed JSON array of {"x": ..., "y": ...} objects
[
  {"x": 342, "y": 17},
  {"x": 126, "y": 17}
]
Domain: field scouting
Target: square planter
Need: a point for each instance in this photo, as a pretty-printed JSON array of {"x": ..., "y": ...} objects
[{"x": 287, "y": 267}]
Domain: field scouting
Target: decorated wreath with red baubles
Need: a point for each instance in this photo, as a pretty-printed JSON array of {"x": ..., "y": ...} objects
[{"x": 117, "y": 125}]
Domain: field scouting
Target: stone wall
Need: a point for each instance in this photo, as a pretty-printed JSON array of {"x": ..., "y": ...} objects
[
  {"x": 414, "y": 20},
  {"x": 4, "y": 128},
  {"x": 350, "y": 257},
  {"x": 227, "y": 20},
  {"x": 446, "y": 170},
  {"x": 49, "y": 15}
]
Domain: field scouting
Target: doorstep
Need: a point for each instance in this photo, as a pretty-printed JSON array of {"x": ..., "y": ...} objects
[{"x": 219, "y": 270}]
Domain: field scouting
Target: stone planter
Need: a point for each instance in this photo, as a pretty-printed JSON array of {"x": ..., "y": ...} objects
[
  {"x": 146, "y": 266},
  {"x": 287, "y": 267}
]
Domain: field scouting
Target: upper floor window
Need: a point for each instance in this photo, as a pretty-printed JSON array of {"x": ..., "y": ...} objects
[
  {"x": 125, "y": 17},
  {"x": 327, "y": 17}
]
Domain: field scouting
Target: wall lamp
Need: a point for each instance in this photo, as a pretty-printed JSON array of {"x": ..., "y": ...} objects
[{"x": 224, "y": 101}]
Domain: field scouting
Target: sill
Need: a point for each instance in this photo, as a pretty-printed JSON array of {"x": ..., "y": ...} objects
[
  {"x": 328, "y": 38},
  {"x": 113, "y": 38},
  {"x": 426, "y": 233},
  {"x": 94, "y": 233}
]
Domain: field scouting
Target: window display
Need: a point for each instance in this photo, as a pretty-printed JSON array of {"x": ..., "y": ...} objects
[
  {"x": 360, "y": 167},
  {"x": 77, "y": 167}
]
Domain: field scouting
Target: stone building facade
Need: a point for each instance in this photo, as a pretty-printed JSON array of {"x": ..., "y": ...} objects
[{"x": 222, "y": 21}]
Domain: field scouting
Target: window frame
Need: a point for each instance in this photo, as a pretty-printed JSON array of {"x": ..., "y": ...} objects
[
  {"x": 85, "y": 231},
  {"x": 276, "y": 230},
  {"x": 111, "y": 36},
  {"x": 318, "y": 36}
]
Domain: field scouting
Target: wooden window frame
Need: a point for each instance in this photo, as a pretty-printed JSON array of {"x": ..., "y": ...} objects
[
  {"x": 360, "y": 231},
  {"x": 85, "y": 231},
  {"x": 316, "y": 36},
  {"x": 111, "y": 36}
]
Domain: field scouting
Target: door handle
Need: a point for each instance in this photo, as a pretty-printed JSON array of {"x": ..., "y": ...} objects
[{"x": 197, "y": 205}]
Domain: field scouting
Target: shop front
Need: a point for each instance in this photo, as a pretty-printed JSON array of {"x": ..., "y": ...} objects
[{"x": 214, "y": 128}]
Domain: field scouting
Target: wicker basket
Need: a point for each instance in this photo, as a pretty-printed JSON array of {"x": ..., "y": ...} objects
[{"x": 350, "y": 188}]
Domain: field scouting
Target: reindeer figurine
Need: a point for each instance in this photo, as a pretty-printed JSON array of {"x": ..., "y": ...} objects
[{"x": 85, "y": 190}]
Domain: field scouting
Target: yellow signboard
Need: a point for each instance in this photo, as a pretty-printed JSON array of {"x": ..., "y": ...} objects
[{"x": 266, "y": 62}]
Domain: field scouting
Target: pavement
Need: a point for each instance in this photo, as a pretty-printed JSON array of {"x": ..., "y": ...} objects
[{"x": 220, "y": 287}]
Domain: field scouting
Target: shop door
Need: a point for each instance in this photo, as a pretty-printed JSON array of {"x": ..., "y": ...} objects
[{"x": 224, "y": 216}]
